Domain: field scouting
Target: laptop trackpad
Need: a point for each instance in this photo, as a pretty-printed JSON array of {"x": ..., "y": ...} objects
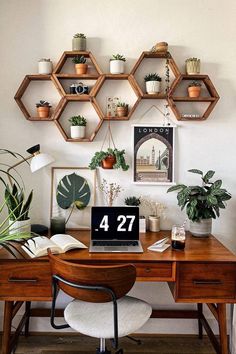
[{"x": 115, "y": 249}]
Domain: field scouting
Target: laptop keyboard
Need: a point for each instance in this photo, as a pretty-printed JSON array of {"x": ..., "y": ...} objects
[{"x": 115, "y": 243}]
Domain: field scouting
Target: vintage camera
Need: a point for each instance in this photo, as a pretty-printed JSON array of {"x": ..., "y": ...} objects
[{"x": 79, "y": 89}]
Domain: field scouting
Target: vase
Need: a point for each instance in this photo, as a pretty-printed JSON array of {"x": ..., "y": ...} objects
[
  {"x": 77, "y": 131},
  {"x": 122, "y": 111},
  {"x": 153, "y": 223},
  {"x": 81, "y": 69},
  {"x": 117, "y": 66},
  {"x": 43, "y": 112},
  {"x": 153, "y": 87},
  {"x": 45, "y": 67},
  {"x": 201, "y": 228},
  {"x": 19, "y": 226},
  {"x": 194, "y": 91},
  {"x": 79, "y": 44},
  {"x": 193, "y": 67}
]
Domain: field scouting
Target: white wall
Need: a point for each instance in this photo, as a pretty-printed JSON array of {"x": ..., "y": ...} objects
[{"x": 31, "y": 29}]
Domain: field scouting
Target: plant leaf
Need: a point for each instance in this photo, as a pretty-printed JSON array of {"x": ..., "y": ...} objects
[
  {"x": 175, "y": 188},
  {"x": 194, "y": 170},
  {"x": 73, "y": 189},
  {"x": 208, "y": 175}
]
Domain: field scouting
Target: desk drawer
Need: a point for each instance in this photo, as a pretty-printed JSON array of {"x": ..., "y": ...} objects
[
  {"x": 156, "y": 270},
  {"x": 206, "y": 280},
  {"x": 25, "y": 279}
]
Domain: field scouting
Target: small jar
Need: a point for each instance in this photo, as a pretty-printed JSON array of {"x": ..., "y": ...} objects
[
  {"x": 154, "y": 223},
  {"x": 58, "y": 225},
  {"x": 178, "y": 237},
  {"x": 44, "y": 66}
]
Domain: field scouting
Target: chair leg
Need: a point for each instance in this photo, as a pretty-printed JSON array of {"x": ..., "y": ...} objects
[
  {"x": 138, "y": 341},
  {"x": 103, "y": 349}
]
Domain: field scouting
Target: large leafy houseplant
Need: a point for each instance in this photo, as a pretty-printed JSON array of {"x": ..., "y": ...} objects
[
  {"x": 117, "y": 155},
  {"x": 202, "y": 202},
  {"x": 18, "y": 206}
]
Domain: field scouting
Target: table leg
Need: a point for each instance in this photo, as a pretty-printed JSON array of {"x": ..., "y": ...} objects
[
  {"x": 27, "y": 311},
  {"x": 199, "y": 310},
  {"x": 6, "y": 336},
  {"x": 221, "y": 309}
]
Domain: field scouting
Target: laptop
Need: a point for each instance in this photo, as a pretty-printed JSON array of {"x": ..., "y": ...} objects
[{"x": 115, "y": 229}]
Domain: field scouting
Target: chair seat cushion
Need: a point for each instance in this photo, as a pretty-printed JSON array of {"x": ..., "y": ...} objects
[{"x": 96, "y": 319}]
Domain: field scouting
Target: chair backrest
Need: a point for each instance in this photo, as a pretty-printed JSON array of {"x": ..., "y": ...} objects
[{"x": 118, "y": 278}]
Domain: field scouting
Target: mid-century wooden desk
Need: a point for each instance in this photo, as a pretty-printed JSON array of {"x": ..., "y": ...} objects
[{"x": 205, "y": 272}]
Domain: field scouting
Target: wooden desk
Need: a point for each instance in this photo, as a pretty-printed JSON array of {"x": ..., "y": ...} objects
[{"x": 205, "y": 272}]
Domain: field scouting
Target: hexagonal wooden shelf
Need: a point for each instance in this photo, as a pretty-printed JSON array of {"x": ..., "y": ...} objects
[
  {"x": 152, "y": 55},
  {"x": 117, "y": 77},
  {"x": 212, "y": 96},
  {"x": 22, "y": 89},
  {"x": 59, "y": 76},
  {"x": 61, "y": 107}
]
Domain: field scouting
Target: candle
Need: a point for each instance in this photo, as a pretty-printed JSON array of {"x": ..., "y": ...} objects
[{"x": 58, "y": 225}]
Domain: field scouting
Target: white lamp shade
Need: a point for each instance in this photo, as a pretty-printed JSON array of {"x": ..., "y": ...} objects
[{"x": 39, "y": 161}]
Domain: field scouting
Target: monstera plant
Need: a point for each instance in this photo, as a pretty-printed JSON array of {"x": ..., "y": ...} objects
[{"x": 73, "y": 192}]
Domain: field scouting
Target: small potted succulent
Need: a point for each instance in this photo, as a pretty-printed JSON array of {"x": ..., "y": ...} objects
[
  {"x": 122, "y": 109},
  {"x": 192, "y": 66},
  {"x": 43, "y": 108},
  {"x": 117, "y": 64},
  {"x": 135, "y": 201},
  {"x": 194, "y": 89},
  {"x": 44, "y": 66},
  {"x": 153, "y": 83},
  {"x": 78, "y": 126},
  {"x": 112, "y": 158},
  {"x": 79, "y": 42},
  {"x": 80, "y": 64}
]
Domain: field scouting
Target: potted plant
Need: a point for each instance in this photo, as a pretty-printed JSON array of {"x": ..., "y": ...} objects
[
  {"x": 79, "y": 42},
  {"x": 18, "y": 209},
  {"x": 117, "y": 64},
  {"x": 43, "y": 108},
  {"x": 194, "y": 89},
  {"x": 78, "y": 125},
  {"x": 80, "y": 64},
  {"x": 112, "y": 158},
  {"x": 122, "y": 109},
  {"x": 202, "y": 202},
  {"x": 135, "y": 201},
  {"x": 44, "y": 66},
  {"x": 192, "y": 66},
  {"x": 153, "y": 83}
]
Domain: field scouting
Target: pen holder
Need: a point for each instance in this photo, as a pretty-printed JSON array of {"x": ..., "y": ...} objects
[
  {"x": 154, "y": 223},
  {"x": 58, "y": 225}
]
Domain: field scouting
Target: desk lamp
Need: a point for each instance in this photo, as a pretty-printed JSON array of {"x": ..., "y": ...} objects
[{"x": 39, "y": 160}]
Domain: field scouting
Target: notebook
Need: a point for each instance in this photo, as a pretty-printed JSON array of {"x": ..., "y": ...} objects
[{"x": 115, "y": 229}]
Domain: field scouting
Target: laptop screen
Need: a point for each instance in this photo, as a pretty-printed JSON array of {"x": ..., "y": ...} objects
[{"x": 115, "y": 223}]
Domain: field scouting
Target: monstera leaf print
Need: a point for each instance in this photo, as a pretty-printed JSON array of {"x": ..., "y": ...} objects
[{"x": 73, "y": 191}]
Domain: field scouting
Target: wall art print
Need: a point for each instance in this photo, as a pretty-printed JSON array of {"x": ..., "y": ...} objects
[
  {"x": 72, "y": 195},
  {"x": 153, "y": 157}
]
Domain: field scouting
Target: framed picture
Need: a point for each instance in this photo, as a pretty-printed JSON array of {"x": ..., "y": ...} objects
[
  {"x": 153, "y": 156},
  {"x": 63, "y": 181}
]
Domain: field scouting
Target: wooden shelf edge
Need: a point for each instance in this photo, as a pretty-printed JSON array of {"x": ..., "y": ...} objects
[
  {"x": 156, "y": 96},
  {"x": 116, "y": 118},
  {"x": 76, "y": 76},
  {"x": 84, "y": 140},
  {"x": 193, "y": 99}
]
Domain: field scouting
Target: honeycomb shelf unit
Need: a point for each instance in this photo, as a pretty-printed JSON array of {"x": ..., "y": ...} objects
[
  {"x": 21, "y": 91},
  {"x": 212, "y": 96},
  {"x": 64, "y": 74}
]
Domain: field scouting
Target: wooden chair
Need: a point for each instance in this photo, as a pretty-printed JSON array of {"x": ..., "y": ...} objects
[{"x": 100, "y": 307}]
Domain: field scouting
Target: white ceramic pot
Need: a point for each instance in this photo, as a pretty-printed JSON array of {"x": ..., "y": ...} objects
[
  {"x": 142, "y": 224},
  {"x": 45, "y": 67},
  {"x": 117, "y": 66},
  {"x": 153, "y": 223},
  {"x": 77, "y": 132},
  {"x": 153, "y": 87},
  {"x": 19, "y": 226},
  {"x": 201, "y": 228}
]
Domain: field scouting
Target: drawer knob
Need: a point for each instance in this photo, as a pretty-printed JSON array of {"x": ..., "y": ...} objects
[{"x": 148, "y": 270}]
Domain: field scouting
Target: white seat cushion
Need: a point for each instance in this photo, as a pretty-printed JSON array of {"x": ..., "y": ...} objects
[{"x": 96, "y": 319}]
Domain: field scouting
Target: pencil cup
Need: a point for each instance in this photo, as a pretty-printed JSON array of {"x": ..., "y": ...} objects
[{"x": 58, "y": 225}]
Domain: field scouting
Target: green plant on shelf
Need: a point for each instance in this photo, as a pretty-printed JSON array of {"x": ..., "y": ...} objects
[
  {"x": 195, "y": 84},
  {"x": 118, "y": 57},
  {"x": 79, "y": 35},
  {"x": 134, "y": 201},
  {"x": 78, "y": 121},
  {"x": 43, "y": 103},
  {"x": 122, "y": 104},
  {"x": 79, "y": 59},
  {"x": 152, "y": 77}
]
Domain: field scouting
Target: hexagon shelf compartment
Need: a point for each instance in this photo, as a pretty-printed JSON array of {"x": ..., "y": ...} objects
[
  {"x": 177, "y": 96},
  {"x": 116, "y": 86},
  {"x": 64, "y": 74},
  {"x": 22, "y": 93},
  {"x": 139, "y": 71},
  {"x": 70, "y": 107}
]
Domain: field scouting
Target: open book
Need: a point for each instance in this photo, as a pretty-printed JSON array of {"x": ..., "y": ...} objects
[{"x": 58, "y": 244}]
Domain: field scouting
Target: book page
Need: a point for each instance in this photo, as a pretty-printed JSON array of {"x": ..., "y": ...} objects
[
  {"x": 66, "y": 242},
  {"x": 39, "y": 246}
]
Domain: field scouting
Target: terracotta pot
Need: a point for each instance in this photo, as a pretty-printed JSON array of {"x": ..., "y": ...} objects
[
  {"x": 122, "y": 111},
  {"x": 108, "y": 162},
  {"x": 43, "y": 112},
  {"x": 81, "y": 69},
  {"x": 194, "y": 91}
]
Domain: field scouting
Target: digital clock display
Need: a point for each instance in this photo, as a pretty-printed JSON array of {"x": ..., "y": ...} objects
[{"x": 115, "y": 223}]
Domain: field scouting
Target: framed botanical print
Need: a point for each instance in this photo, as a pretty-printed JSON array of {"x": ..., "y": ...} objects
[
  {"x": 73, "y": 191},
  {"x": 153, "y": 155}
]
